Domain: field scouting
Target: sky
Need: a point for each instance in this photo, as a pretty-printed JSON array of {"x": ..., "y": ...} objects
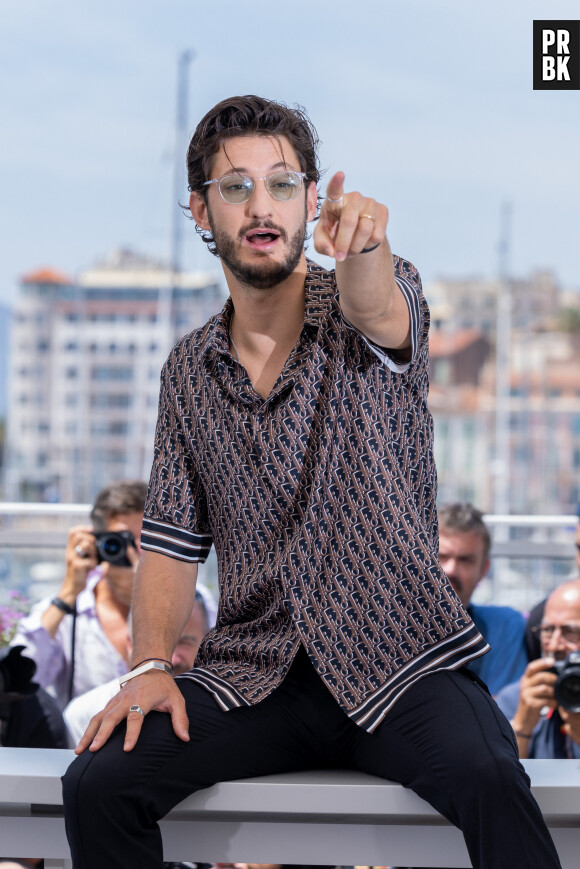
[{"x": 426, "y": 105}]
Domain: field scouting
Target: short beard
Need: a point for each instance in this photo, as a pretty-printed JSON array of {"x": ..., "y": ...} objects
[{"x": 267, "y": 274}]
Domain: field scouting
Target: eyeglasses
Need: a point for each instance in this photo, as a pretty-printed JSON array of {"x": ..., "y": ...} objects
[
  {"x": 282, "y": 186},
  {"x": 570, "y": 633}
]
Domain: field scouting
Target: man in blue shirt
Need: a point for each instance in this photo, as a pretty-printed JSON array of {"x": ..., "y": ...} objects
[{"x": 464, "y": 545}]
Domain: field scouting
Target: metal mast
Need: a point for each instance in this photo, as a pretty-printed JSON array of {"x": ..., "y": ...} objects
[
  {"x": 501, "y": 463},
  {"x": 166, "y": 293},
  {"x": 185, "y": 58},
  {"x": 167, "y": 289}
]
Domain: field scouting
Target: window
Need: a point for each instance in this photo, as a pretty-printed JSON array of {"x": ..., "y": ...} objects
[
  {"x": 442, "y": 371},
  {"x": 113, "y": 428},
  {"x": 110, "y": 372},
  {"x": 105, "y": 399}
]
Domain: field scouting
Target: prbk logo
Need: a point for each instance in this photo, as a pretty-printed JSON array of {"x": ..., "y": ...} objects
[{"x": 557, "y": 55}]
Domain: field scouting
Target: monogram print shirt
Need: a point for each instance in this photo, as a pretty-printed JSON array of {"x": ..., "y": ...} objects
[{"x": 320, "y": 502}]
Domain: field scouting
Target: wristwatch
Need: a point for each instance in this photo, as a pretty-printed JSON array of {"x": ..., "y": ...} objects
[
  {"x": 150, "y": 665},
  {"x": 63, "y": 606}
]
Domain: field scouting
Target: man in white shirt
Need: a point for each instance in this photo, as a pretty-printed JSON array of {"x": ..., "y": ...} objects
[{"x": 80, "y": 638}]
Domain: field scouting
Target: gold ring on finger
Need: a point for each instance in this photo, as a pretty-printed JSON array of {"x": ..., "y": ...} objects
[{"x": 370, "y": 217}]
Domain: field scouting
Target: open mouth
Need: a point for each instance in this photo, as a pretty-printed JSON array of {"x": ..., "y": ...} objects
[{"x": 262, "y": 238}]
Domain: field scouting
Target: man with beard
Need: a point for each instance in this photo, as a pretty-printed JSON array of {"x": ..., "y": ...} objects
[
  {"x": 294, "y": 435},
  {"x": 464, "y": 546}
]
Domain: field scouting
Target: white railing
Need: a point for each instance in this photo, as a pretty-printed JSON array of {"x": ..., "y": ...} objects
[
  {"x": 530, "y": 554},
  {"x": 23, "y": 508}
]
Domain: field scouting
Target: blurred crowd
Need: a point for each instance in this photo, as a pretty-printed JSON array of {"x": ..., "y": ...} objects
[{"x": 65, "y": 660}]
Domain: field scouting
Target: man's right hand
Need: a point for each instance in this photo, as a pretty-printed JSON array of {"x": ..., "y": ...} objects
[
  {"x": 536, "y": 692},
  {"x": 153, "y": 690},
  {"x": 81, "y": 558}
]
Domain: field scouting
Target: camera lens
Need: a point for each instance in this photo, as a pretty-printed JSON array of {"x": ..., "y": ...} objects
[{"x": 111, "y": 546}]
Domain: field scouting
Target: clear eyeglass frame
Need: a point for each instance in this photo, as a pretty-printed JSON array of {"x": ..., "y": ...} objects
[
  {"x": 570, "y": 633},
  {"x": 236, "y": 188}
]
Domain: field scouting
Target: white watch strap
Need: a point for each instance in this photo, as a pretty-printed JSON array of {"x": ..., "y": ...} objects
[{"x": 150, "y": 665}]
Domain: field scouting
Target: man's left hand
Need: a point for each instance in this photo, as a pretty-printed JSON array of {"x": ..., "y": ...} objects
[{"x": 348, "y": 222}]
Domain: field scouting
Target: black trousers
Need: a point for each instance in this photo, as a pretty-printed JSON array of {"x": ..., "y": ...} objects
[{"x": 445, "y": 738}]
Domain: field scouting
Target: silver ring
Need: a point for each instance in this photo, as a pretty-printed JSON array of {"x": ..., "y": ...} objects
[
  {"x": 80, "y": 551},
  {"x": 334, "y": 201},
  {"x": 137, "y": 709}
]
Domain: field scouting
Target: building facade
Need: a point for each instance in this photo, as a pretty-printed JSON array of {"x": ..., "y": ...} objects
[
  {"x": 84, "y": 372},
  {"x": 540, "y": 405}
]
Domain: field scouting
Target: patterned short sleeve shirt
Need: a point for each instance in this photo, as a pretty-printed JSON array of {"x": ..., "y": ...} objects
[{"x": 320, "y": 502}]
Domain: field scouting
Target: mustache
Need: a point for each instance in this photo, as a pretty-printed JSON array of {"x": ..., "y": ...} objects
[{"x": 262, "y": 224}]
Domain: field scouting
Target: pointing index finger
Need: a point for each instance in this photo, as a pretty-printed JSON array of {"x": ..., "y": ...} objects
[{"x": 335, "y": 189}]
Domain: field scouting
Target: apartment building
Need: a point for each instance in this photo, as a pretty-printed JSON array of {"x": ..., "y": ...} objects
[
  {"x": 85, "y": 360},
  {"x": 471, "y": 303},
  {"x": 540, "y": 405}
]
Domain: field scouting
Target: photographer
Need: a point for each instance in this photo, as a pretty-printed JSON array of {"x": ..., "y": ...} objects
[
  {"x": 80, "y": 638},
  {"x": 544, "y": 728}
]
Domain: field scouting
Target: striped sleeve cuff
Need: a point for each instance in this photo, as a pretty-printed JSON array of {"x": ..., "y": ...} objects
[
  {"x": 412, "y": 299},
  {"x": 167, "y": 539}
]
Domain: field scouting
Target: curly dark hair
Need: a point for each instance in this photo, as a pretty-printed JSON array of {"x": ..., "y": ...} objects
[{"x": 249, "y": 116}]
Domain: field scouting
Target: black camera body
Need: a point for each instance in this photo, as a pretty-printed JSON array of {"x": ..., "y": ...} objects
[
  {"x": 567, "y": 687},
  {"x": 16, "y": 672},
  {"x": 112, "y": 546}
]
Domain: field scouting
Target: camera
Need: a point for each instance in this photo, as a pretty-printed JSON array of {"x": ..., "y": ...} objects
[
  {"x": 567, "y": 687},
  {"x": 16, "y": 672},
  {"x": 112, "y": 546}
]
